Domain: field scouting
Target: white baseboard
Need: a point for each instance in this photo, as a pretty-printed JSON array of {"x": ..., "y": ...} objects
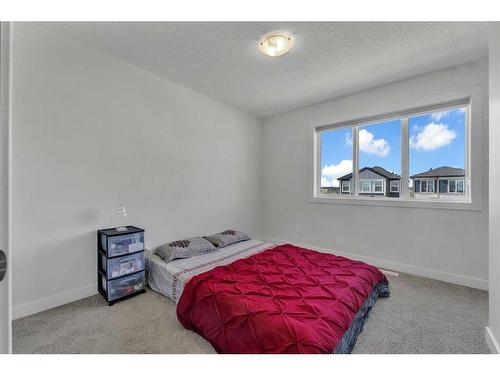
[
  {"x": 400, "y": 267},
  {"x": 492, "y": 342},
  {"x": 50, "y": 302}
]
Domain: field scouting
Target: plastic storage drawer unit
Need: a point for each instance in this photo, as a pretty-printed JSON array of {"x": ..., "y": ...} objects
[
  {"x": 120, "y": 263},
  {"x": 125, "y": 286},
  {"x": 121, "y": 266}
]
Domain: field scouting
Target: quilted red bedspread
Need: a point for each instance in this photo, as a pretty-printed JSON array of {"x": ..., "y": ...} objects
[{"x": 284, "y": 300}]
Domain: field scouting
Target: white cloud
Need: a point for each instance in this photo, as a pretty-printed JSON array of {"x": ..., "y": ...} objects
[
  {"x": 436, "y": 116},
  {"x": 348, "y": 138},
  {"x": 330, "y": 173},
  {"x": 432, "y": 136},
  {"x": 370, "y": 145}
]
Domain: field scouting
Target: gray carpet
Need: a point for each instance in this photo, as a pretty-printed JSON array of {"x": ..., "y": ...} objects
[{"x": 421, "y": 316}]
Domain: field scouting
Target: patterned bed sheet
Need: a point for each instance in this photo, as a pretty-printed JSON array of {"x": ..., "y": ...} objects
[{"x": 169, "y": 278}]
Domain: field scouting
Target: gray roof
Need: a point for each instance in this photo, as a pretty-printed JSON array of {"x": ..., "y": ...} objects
[
  {"x": 441, "y": 172},
  {"x": 378, "y": 170}
]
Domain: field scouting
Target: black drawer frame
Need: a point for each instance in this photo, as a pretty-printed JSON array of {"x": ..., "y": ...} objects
[{"x": 111, "y": 232}]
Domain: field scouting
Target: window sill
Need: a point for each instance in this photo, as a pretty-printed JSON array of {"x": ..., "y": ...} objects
[{"x": 398, "y": 202}]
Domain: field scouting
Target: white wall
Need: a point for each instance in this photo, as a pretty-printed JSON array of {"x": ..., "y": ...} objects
[
  {"x": 90, "y": 132},
  {"x": 493, "y": 331},
  {"x": 450, "y": 245}
]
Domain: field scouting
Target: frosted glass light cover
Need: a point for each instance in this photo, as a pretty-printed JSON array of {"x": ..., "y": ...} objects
[{"x": 276, "y": 44}]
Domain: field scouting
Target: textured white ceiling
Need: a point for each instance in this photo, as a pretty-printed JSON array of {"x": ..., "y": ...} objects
[{"x": 329, "y": 59}]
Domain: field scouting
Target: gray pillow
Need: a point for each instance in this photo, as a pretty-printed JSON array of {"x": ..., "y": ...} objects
[
  {"x": 184, "y": 249},
  {"x": 227, "y": 238}
]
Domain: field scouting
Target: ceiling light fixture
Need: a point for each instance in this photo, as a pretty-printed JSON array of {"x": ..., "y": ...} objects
[{"x": 275, "y": 44}]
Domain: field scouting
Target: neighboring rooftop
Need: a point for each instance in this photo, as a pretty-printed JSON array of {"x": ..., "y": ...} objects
[
  {"x": 441, "y": 172},
  {"x": 378, "y": 170}
]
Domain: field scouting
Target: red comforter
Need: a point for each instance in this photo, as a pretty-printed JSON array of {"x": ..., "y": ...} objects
[{"x": 283, "y": 300}]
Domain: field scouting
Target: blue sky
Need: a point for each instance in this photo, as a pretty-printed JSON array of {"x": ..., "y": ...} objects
[
  {"x": 436, "y": 140},
  {"x": 374, "y": 151}
]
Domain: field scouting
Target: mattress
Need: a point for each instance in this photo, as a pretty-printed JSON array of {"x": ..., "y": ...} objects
[{"x": 170, "y": 278}]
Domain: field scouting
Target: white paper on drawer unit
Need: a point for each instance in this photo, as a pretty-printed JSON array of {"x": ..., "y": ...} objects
[
  {"x": 137, "y": 246},
  {"x": 127, "y": 267}
]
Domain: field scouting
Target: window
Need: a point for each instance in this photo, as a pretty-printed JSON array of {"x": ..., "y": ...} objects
[
  {"x": 394, "y": 186},
  {"x": 452, "y": 187},
  {"x": 426, "y": 186},
  {"x": 437, "y": 149},
  {"x": 443, "y": 186},
  {"x": 420, "y": 154},
  {"x": 365, "y": 186},
  {"x": 423, "y": 187},
  {"x": 379, "y": 184},
  {"x": 371, "y": 186},
  {"x": 346, "y": 186},
  {"x": 379, "y": 146},
  {"x": 336, "y": 161}
]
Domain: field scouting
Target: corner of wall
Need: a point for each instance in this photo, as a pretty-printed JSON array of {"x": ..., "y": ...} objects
[{"x": 492, "y": 342}]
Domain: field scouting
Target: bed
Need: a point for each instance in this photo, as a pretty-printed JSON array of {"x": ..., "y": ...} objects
[{"x": 256, "y": 297}]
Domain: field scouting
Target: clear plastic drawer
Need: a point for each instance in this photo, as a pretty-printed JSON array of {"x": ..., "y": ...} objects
[
  {"x": 119, "y": 288},
  {"x": 124, "y": 244},
  {"x": 116, "y": 267}
]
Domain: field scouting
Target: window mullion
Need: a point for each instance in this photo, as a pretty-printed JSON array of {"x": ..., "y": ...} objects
[
  {"x": 405, "y": 159},
  {"x": 355, "y": 161},
  {"x": 467, "y": 157},
  {"x": 317, "y": 163}
]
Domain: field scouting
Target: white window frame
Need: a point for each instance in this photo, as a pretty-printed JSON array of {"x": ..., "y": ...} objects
[
  {"x": 372, "y": 185},
  {"x": 455, "y": 180},
  {"x": 362, "y": 184},
  {"x": 427, "y": 181},
  {"x": 421, "y": 185},
  {"x": 431, "y": 182},
  {"x": 393, "y": 183},
  {"x": 449, "y": 186},
  {"x": 348, "y": 191},
  {"x": 461, "y": 100}
]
